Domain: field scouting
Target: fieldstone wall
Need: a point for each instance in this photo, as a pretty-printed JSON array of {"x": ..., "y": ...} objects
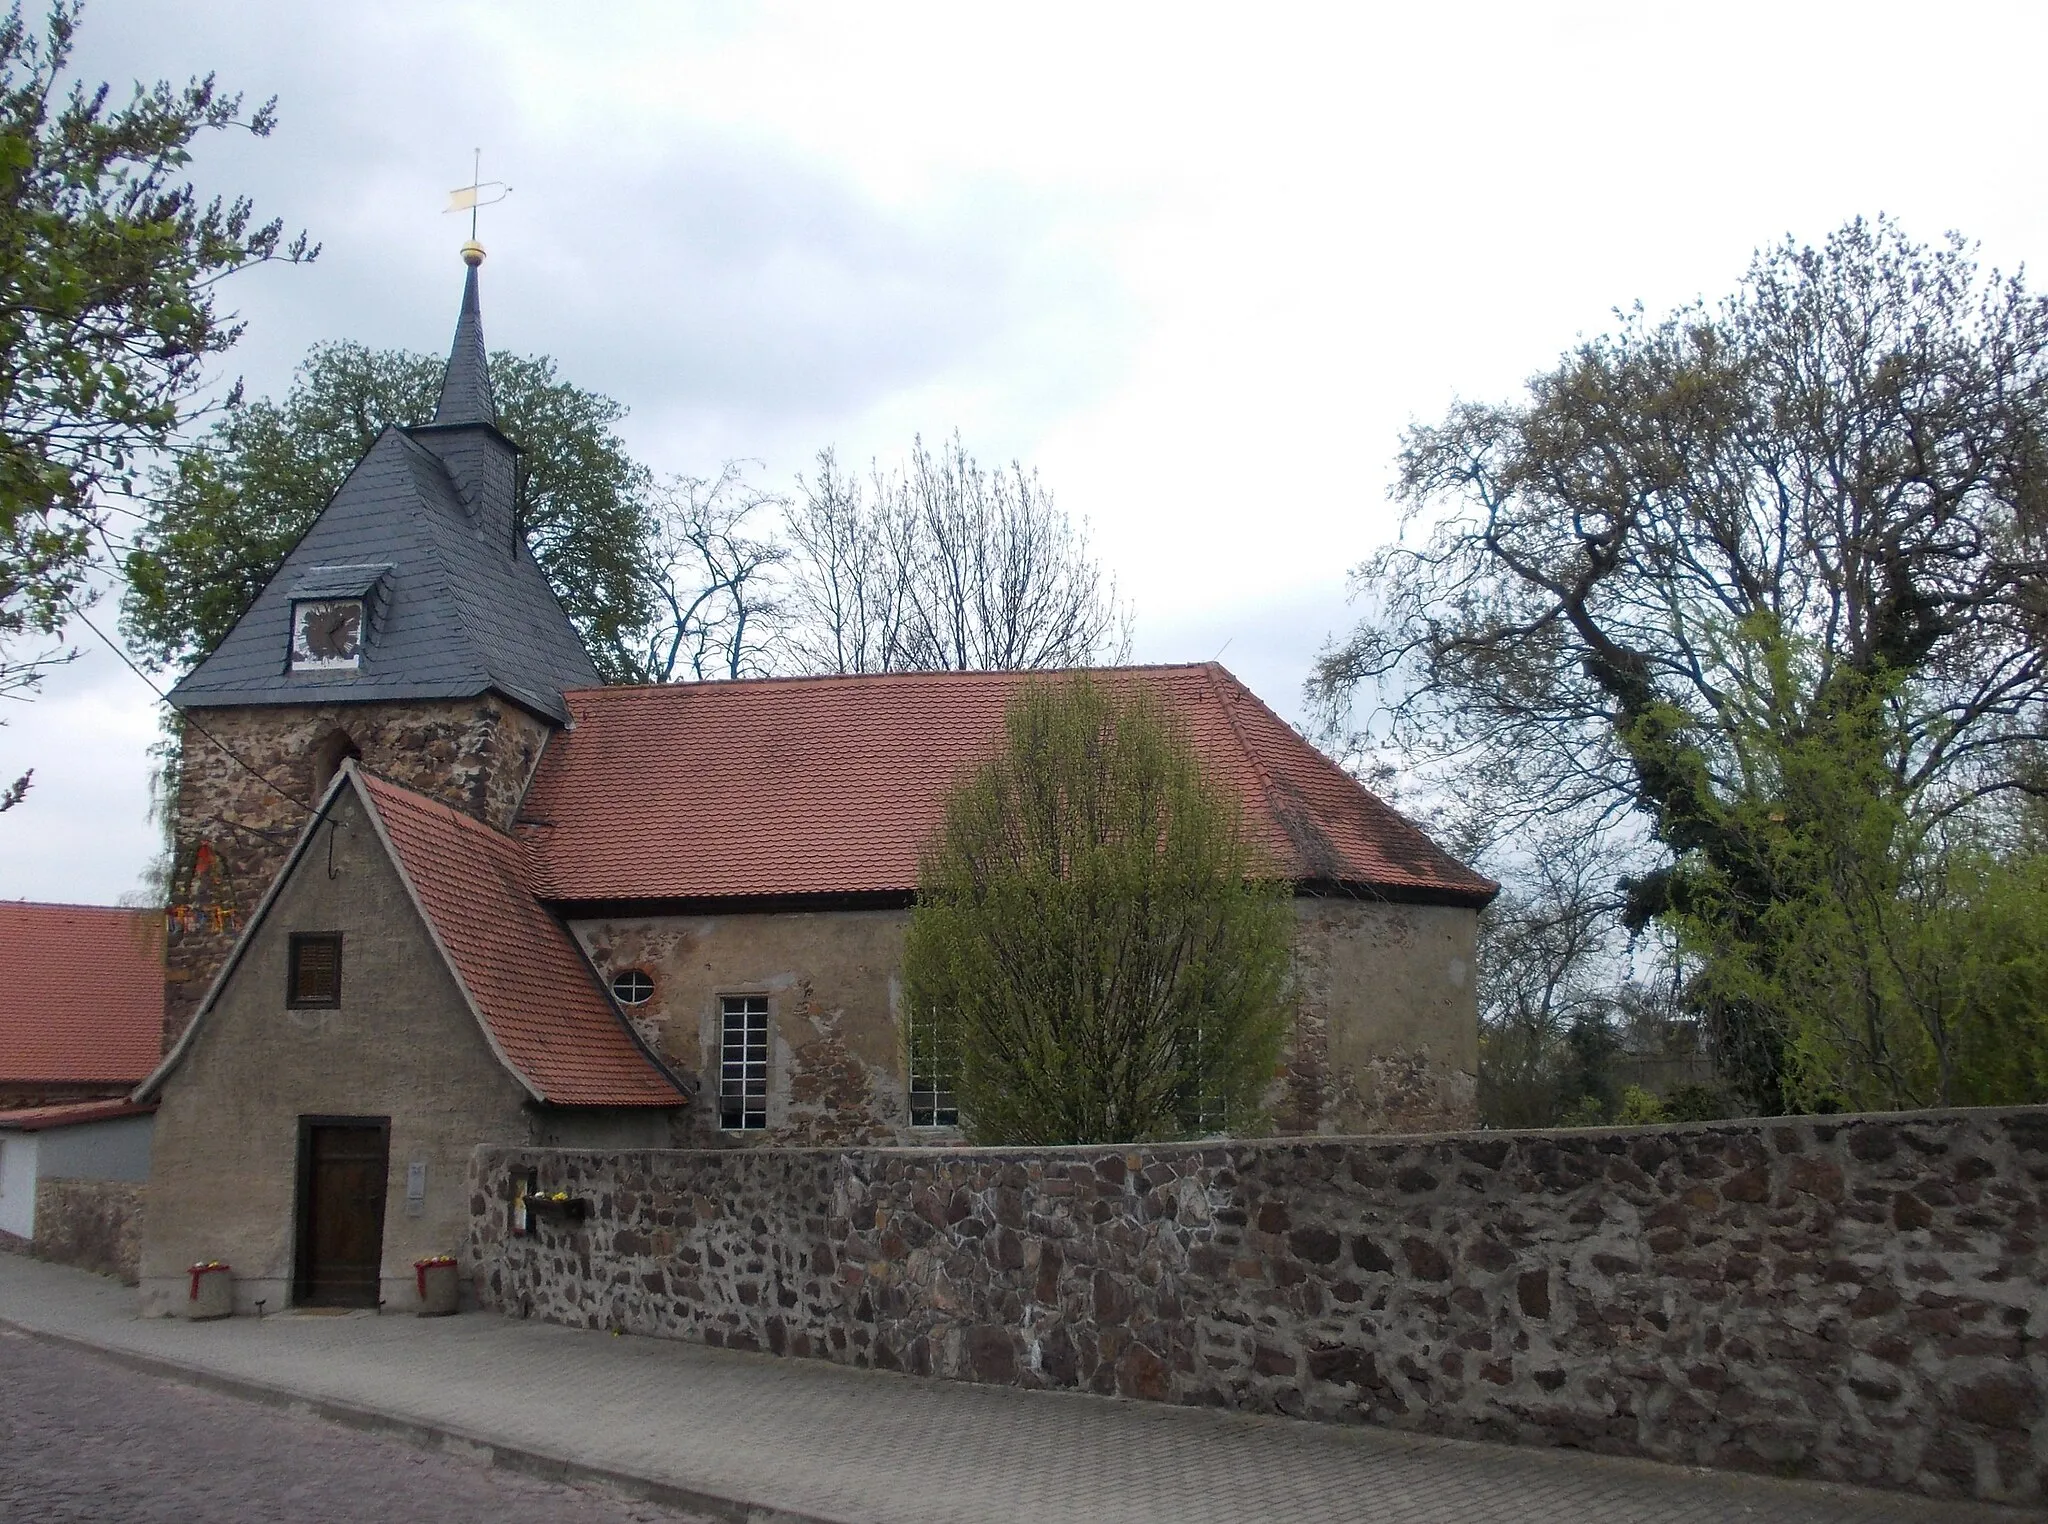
[
  {"x": 1857, "y": 1298},
  {"x": 238, "y": 815},
  {"x": 93, "y": 1224}
]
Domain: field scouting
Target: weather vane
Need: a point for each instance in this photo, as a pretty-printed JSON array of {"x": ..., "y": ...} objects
[{"x": 468, "y": 198}]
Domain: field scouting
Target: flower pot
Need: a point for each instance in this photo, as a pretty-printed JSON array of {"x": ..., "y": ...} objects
[
  {"x": 439, "y": 1288},
  {"x": 212, "y": 1292}
]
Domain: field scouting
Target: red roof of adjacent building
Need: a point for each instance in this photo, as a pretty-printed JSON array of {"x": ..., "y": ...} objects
[
  {"x": 537, "y": 996},
  {"x": 790, "y": 787},
  {"x": 71, "y": 1114},
  {"x": 81, "y": 993}
]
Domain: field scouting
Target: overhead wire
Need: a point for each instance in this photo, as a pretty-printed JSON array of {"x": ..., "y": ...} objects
[{"x": 163, "y": 697}]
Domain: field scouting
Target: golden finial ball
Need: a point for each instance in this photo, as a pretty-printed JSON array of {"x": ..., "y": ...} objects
[{"x": 472, "y": 253}]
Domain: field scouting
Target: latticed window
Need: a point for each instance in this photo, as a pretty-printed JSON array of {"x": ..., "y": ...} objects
[
  {"x": 743, "y": 1062},
  {"x": 932, "y": 1068},
  {"x": 315, "y": 975},
  {"x": 633, "y": 987}
]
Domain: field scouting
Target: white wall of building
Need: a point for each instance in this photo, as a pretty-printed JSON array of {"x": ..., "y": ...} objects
[
  {"x": 111, "y": 1150},
  {"x": 18, "y": 1152}
]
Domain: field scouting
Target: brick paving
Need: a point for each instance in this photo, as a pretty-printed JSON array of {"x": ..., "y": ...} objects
[
  {"x": 88, "y": 1441},
  {"x": 819, "y": 1442}
]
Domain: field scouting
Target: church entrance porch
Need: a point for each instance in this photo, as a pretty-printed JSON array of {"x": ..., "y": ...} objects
[{"x": 343, "y": 1165}]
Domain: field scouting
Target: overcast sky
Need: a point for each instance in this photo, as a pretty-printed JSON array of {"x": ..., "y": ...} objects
[{"x": 1199, "y": 265}]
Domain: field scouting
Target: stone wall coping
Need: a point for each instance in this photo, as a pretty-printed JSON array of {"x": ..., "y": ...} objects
[{"x": 1830, "y": 1123}]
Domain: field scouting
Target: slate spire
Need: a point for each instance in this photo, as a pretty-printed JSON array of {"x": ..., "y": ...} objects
[{"x": 466, "y": 388}]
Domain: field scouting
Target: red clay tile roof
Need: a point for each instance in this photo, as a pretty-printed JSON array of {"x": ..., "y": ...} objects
[
  {"x": 537, "y": 996},
  {"x": 81, "y": 993},
  {"x": 70, "y": 1114},
  {"x": 804, "y": 786}
]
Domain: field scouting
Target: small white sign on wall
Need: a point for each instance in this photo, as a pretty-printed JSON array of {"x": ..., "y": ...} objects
[{"x": 416, "y": 1188}]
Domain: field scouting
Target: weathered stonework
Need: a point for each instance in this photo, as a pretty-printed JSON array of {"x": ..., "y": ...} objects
[
  {"x": 235, "y": 823},
  {"x": 835, "y": 1071},
  {"x": 1385, "y": 1036},
  {"x": 1859, "y": 1298},
  {"x": 93, "y": 1224}
]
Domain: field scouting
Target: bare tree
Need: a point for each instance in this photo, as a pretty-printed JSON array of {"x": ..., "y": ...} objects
[
  {"x": 852, "y": 561},
  {"x": 713, "y": 582},
  {"x": 944, "y": 566}
]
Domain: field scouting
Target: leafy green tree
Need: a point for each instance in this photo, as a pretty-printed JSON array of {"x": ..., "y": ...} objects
[
  {"x": 108, "y": 268},
  {"x": 1897, "y": 965},
  {"x": 1810, "y": 520},
  {"x": 230, "y": 509},
  {"x": 1099, "y": 952}
]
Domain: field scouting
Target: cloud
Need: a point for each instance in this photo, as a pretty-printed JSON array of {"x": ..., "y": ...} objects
[{"x": 83, "y": 833}]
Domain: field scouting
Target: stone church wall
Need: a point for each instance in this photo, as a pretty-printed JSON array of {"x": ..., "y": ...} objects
[
  {"x": 835, "y": 1074},
  {"x": 1387, "y": 1030},
  {"x": 1386, "y": 1034},
  {"x": 476, "y": 754},
  {"x": 1860, "y": 1298}
]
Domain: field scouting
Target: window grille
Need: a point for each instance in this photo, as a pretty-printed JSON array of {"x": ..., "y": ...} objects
[
  {"x": 932, "y": 1069},
  {"x": 632, "y": 987},
  {"x": 743, "y": 1063},
  {"x": 315, "y": 977}
]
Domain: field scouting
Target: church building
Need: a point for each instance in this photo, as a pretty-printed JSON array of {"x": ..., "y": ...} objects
[{"x": 437, "y": 887}]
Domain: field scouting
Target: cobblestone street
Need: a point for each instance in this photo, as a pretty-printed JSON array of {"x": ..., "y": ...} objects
[{"x": 86, "y": 1441}]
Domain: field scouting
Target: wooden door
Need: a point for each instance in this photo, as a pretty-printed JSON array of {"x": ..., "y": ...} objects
[{"x": 343, "y": 1164}]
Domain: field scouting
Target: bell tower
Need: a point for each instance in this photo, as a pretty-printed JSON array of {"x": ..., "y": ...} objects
[{"x": 410, "y": 628}]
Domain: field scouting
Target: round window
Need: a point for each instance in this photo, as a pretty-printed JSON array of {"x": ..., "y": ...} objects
[{"x": 633, "y": 987}]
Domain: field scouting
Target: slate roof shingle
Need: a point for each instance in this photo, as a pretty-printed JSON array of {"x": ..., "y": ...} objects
[
  {"x": 466, "y": 383},
  {"x": 830, "y": 786},
  {"x": 537, "y": 996},
  {"x": 81, "y": 993},
  {"x": 457, "y": 614}
]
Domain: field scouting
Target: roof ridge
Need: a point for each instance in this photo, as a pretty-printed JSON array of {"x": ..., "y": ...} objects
[
  {"x": 945, "y": 674},
  {"x": 1214, "y": 673},
  {"x": 445, "y": 583},
  {"x": 1336, "y": 769}
]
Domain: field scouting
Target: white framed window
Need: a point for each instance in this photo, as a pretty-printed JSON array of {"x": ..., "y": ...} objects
[
  {"x": 932, "y": 1068},
  {"x": 742, "y": 1062},
  {"x": 632, "y": 986}
]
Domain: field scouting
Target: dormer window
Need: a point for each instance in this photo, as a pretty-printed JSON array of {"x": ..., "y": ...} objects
[
  {"x": 327, "y": 634},
  {"x": 333, "y": 608}
]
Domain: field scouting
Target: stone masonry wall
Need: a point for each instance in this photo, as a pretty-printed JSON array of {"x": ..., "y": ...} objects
[
  {"x": 93, "y": 1224},
  {"x": 1385, "y": 1037},
  {"x": 1858, "y": 1298},
  {"x": 233, "y": 828}
]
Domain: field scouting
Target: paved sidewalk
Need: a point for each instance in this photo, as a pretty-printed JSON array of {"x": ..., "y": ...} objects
[{"x": 752, "y": 1436}]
